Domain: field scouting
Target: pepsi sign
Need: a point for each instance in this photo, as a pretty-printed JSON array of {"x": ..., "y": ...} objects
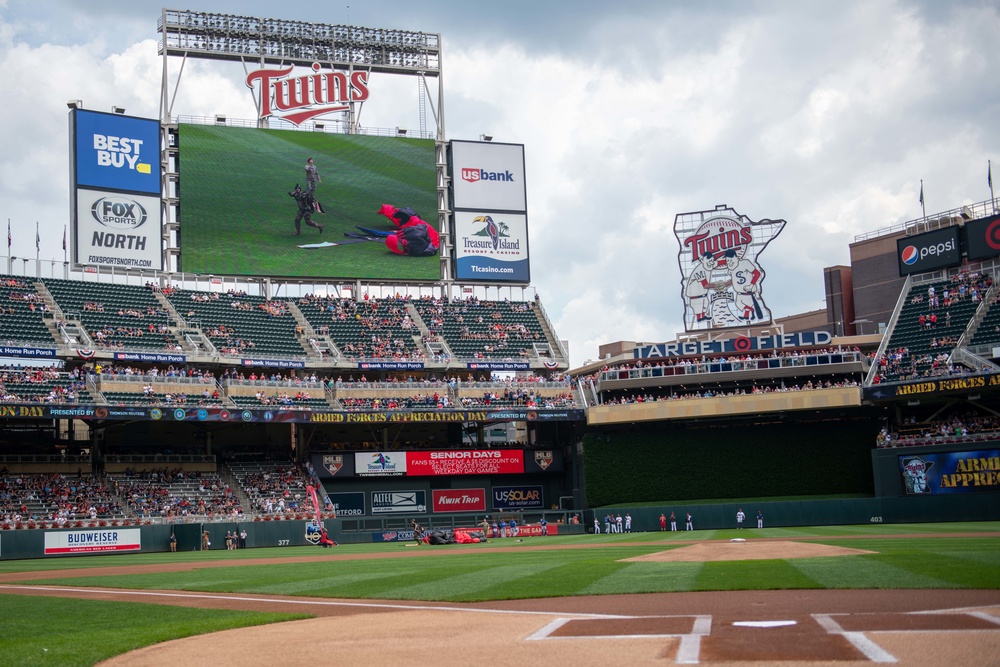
[{"x": 928, "y": 252}]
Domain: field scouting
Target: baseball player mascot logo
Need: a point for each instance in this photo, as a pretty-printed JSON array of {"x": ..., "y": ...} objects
[
  {"x": 720, "y": 274},
  {"x": 915, "y": 474}
]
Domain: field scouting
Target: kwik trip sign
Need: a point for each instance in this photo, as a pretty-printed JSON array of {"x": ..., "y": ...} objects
[
  {"x": 301, "y": 97},
  {"x": 721, "y": 276}
]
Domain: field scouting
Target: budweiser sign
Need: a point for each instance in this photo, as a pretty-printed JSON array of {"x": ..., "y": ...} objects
[
  {"x": 460, "y": 500},
  {"x": 299, "y": 98},
  {"x": 721, "y": 276}
]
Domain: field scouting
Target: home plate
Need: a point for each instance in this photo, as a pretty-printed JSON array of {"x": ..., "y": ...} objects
[{"x": 763, "y": 624}]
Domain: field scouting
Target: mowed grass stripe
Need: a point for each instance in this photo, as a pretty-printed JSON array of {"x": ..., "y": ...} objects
[
  {"x": 881, "y": 572},
  {"x": 751, "y": 575},
  {"x": 53, "y": 631},
  {"x": 646, "y": 578}
]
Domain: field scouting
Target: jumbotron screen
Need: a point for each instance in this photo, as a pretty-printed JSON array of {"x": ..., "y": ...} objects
[{"x": 237, "y": 216}]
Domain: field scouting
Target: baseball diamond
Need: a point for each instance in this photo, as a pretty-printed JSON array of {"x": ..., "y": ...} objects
[{"x": 292, "y": 393}]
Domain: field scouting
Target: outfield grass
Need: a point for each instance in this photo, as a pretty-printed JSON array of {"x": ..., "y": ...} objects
[
  {"x": 54, "y": 631},
  {"x": 907, "y": 556}
]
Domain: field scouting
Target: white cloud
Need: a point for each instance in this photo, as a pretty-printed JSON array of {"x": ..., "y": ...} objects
[{"x": 826, "y": 116}]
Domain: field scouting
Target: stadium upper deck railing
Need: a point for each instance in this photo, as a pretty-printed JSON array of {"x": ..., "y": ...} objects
[
  {"x": 717, "y": 367},
  {"x": 934, "y": 221},
  {"x": 324, "y": 126}
]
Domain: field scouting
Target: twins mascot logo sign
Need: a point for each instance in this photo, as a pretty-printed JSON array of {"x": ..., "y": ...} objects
[{"x": 721, "y": 277}]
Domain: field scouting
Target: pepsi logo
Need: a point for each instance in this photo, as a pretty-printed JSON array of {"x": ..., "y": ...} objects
[{"x": 910, "y": 255}]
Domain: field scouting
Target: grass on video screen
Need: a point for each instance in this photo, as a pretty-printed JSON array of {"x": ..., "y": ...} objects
[{"x": 238, "y": 219}]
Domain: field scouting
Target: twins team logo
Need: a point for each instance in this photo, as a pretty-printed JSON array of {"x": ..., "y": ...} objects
[
  {"x": 915, "y": 471},
  {"x": 721, "y": 278},
  {"x": 299, "y": 98},
  {"x": 475, "y": 175},
  {"x": 910, "y": 255}
]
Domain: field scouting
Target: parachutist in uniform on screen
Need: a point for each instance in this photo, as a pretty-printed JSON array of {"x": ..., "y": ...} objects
[
  {"x": 312, "y": 177},
  {"x": 306, "y": 203}
]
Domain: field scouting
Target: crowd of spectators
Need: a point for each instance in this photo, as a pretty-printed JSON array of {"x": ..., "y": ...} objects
[
  {"x": 44, "y": 385},
  {"x": 520, "y": 398},
  {"x": 55, "y": 497},
  {"x": 418, "y": 402},
  {"x": 284, "y": 398},
  {"x": 912, "y": 432},
  {"x": 174, "y": 493},
  {"x": 279, "y": 489},
  {"x": 676, "y": 394}
]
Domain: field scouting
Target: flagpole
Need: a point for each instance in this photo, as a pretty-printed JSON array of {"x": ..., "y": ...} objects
[
  {"x": 923, "y": 206},
  {"x": 989, "y": 179}
]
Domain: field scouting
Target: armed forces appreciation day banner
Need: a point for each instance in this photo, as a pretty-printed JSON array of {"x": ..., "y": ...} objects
[{"x": 951, "y": 472}]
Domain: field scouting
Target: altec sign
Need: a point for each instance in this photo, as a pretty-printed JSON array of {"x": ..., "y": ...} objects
[{"x": 299, "y": 98}]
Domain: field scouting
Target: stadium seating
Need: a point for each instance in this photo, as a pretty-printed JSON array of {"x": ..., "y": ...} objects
[
  {"x": 57, "y": 497},
  {"x": 920, "y": 345},
  {"x": 366, "y": 329},
  {"x": 122, "y": 317},
  {"x": 240, "y": 325},
  {"x": 473, "y": 329},
  {"x": 273, "y": 488},
  {"x": 41, "y": 385},
  {"x": 175, "y": 494},
  {"x": 22, "y": 310}
]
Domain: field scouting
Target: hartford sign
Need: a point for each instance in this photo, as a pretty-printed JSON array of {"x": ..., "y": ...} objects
[{"x": 299, "y": 98}]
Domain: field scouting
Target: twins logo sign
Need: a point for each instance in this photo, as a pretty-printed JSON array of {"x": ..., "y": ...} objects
[{"x": 721, "y": 277}]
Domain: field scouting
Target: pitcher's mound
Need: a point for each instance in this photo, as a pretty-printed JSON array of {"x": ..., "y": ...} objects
[{"x": 751, "y": 550}]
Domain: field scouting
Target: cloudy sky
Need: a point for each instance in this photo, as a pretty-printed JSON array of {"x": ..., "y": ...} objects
[{"x": 825, "y": 114}]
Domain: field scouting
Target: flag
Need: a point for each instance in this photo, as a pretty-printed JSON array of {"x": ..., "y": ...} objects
[
  {"x": 921, "y": 193},
  {"x": 989, "y": 174},
  {"x": 9, "y": 237},
  {"x": 64, "y": 238},
  {"x": 38, "y": 239}
]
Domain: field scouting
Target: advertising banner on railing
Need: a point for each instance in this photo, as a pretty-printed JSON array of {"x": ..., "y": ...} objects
[
  {"x": 951, "y": 472},
  {"x": 104, "y": 540},
  {"x": 28, "y": 352},
  {"x": 465, "y": 462},
  {"x": 928, "y": 386},
  {"x": 285, "y": 414},
  {"x": 399, "y": 502},
  {"x": 380, "y": 464},
  {"x": 350, "y": 503},
  {"x": 517, "y": 497},
  {"x": 459, "y": 500}
]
